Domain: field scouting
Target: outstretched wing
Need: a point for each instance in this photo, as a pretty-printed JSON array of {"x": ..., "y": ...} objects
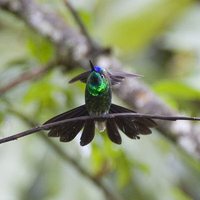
[
  {"x": 68, "y": 130},
  {"x": 115, "y": 77},
  {"x": 81, "y": 77},
  {"x": 132, "y": 126},
  {"x": 118, "y": 77}
]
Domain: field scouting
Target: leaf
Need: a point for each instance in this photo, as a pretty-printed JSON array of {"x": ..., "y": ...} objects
[
  {"x": 12, "y": 44},
  {"x": 111, "y": 159},
  {"x": 2, "y": 117},
  {"x": 123, "y": 169},
  {"x": 86, "y": 17},
  {"x": 43, "y": 93},
  {"x": 177, "y": 89},
  {"x": 97, "y": 158},
  {"x": 40, "y": 48},
  {"x": 180, "y": 194},
  {"x": 132, "y": 31}
]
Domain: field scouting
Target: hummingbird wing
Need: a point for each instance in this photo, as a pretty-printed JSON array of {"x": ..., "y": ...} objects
[
  {"x": 118, "y": 77},
  {"x": 81, "y": 77},
  {"x": 68, "y": 130},
  {"x": 115, "y": 77},
  {"x": 132, "y": 126},
  {"x": 69, "y": 114}
]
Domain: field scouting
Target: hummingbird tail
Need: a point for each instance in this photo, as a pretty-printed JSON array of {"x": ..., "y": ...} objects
[
  {"x": 69, "y": 130},
  {"x": 88, "y": 132},
  {"x": 131, "y": 126},
  {"x": 112, "y": 131}
]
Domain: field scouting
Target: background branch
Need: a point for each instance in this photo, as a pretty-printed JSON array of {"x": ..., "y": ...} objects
[
  {"x": 83, "y": 118},
  {"x": 81, "y": 25},
  {"x": 134, "y": 92},
  {"x": 33, "y": 74}
]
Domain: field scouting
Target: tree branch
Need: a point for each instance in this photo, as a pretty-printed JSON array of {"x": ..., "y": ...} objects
[
  {"x": 81, "y": 25},
  {"x": 133, "y": 92},
  {"x": 27, "y": 76},
  {"x": 84, "y": 118}
]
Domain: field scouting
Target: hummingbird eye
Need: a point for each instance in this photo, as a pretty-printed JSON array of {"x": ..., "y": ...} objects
[{"x": 102, "y": 76}]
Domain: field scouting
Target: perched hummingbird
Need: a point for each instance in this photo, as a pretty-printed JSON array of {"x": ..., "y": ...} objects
[{"x": 98, "y": 96}]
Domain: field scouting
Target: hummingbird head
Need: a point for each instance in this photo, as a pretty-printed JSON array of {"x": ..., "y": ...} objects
[
  {"x": 98, "y": 81},
  {"x": 113, "y": 78}
]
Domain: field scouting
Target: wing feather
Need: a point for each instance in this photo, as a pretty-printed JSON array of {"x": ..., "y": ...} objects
[
  {"x": 68, "y": 130},
  {"x": 132, "y": 126},
  {"x": 81, "y": 77}
]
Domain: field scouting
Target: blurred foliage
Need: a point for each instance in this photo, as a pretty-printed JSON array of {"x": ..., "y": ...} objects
[
  {"x": 179, "y": 94},
  {"x": 160, "y": 39},
  {"x": 132, "y": 31},
  {"x": 110, "y": 159},
  {"x": 40, "y": 48}
]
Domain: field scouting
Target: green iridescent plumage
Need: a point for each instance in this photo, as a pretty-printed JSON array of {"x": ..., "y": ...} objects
[
  {"x": 98, "y": 93},
  {"x": 97, "y": 84},
  {"x": 98, "y": 97}
]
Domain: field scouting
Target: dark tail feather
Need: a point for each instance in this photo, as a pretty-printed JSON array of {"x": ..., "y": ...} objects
[
  {"x": 127, "y": 128},
  {"x": 68, "y": 130},
  {"x": 142, "y": 127},
  {"x": 132, "y": 126},
  {"x": 113, "y": 132},
  {"x": 88, "y": 133}
]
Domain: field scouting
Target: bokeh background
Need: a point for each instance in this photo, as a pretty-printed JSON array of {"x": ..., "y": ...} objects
[{"x": 159, "y": 39}]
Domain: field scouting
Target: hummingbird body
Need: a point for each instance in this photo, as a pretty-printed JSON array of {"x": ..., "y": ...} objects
[
  {"x": 98, "y": 93},
  {"x": 98, "y": 97}
]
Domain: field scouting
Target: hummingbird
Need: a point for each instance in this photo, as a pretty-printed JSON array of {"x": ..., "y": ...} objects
[{"x": 98, "y": 103}]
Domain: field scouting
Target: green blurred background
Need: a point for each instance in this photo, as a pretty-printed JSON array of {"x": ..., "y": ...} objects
[{"x": 159, "y": 39}]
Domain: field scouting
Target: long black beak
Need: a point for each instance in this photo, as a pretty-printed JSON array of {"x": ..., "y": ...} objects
[{"x": 91, "y": 65}]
